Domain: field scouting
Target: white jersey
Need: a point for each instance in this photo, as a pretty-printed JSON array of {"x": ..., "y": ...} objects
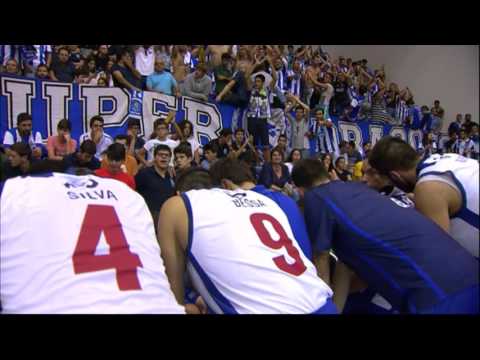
[
  {"x": 244, "y": 259},
  {"x": 461, "y": 174},
  {"x": 79, "y": 244}
]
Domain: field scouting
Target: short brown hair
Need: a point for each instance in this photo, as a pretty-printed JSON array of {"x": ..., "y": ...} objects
[
  {"x": 308, "y": 171},
  {"x": 234, "y": 170},
  {"x": 392, "y": 153}
]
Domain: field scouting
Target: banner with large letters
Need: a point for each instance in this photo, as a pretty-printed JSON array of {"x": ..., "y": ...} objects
[{"x": 49, "y": 101}]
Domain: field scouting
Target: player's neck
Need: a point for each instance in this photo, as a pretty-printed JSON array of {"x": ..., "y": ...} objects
[
  {"x": 320, "y": 182},
  {"x": 247, "y": 185}
]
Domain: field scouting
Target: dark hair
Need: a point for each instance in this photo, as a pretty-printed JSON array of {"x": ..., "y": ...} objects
[
  {"x": 64, "y": 124},
  {"x": 23, "y": 117},
  {"x": 42, "y": 65},
  {"x": 63, "y": 48},
  {"x": 342, "y": 143},
  {"x": 306, "y": 172},
  {"x": 436, "y": 101},
  {"x": 195, "y": 178},
  {"x": 184, "y": 123},
  {"x": 239, "y": 130},
  {"x": 291, "y": 155},
  {"x": 260, "y": 76},
  {"x": 22, "y": 149},
  {"x": 211, "y": 146},
  {"x": 392, "y": 153},
  {"x": 116, "y": 152},
  {"x": 337, "y": 160},
  {"x": 226, "y": 132},
  {"x": 226, "y": 56},
  {"x": 352, "y": 144},
  {"x": 123, "y": 137},
  {"x": 234, "y": 170},
  {"x": 280, "y": 151},
  {"x": 201, "y": 67},
  {"x": 96, "y": 118},
  {"x": 131, "y": 122},
  {"x": 157, "y": 123},
  {"x": 123, "y": 52},
  {"x": 184, "y": 148},
  {"x": 283, "y": 136},
  {"x": 47, "y": 165},
  {"x": 88, "y": 147},
  {"x": 161, "y": 147}
]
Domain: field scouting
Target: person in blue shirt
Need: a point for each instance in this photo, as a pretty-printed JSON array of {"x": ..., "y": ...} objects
[
  {"x": 402, "y": 255},
  {"x": 162, "y": 81}
]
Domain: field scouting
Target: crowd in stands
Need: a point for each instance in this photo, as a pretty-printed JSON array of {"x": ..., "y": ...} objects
[{"x": 305, "y": 87}]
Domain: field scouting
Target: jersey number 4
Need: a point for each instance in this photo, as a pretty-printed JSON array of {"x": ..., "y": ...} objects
[
  {"x": 297, "y": 268},
  {"x": 100, "y": 218}
]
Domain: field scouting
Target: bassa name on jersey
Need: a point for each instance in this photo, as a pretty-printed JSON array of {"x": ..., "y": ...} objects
[{"x": 240, "y": 200}]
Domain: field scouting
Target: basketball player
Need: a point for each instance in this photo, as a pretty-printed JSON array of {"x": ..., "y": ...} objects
[
  {"x": 405, "y": 257},
  {"x": 239, "y": 250},
  {"x": 445, "y": 186},
  {"x": 79, "y": 244}
]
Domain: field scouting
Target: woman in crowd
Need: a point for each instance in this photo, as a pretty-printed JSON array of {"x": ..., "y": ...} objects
[
  {"x": 275, "y": 175},
  {"x": 186, "y": 128},
  {"x": 61, "y": 145},
  {"x": 295, "y": 155}
]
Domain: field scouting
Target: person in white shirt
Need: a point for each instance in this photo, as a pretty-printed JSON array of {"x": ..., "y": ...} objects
[
  {"x": 145, "y": 59},
  {"x": 160, "y": 136},
  {"x": 97, "y": 135}
]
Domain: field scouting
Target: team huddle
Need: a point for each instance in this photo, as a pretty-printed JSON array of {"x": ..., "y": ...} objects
[{"x": 225, "y": 245}]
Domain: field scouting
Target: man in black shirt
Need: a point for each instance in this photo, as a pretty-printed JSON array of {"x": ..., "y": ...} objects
[
  {"x": 85, "y": 158},
  {"x": 62, "y": 68},
  {"x": 341, "y": 98},
  {"x": 125, "y": 75},
  {"x": 223, "y": 143},
  {"x": 19, "y": 159},
  {"x": 154, "y": 182}
]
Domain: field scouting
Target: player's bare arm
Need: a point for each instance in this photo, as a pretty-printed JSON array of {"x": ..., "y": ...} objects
[
  {"x": 172, "y": 238},
  {"x": 437, "y": 201},
  {"x": 341, "y": 281},
  {"x": 322, "y": 263}
]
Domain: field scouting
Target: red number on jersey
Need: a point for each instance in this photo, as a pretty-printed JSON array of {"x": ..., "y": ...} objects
[
  {"x": 298, "y": 267},
  {"x": 100, "y": 218}
]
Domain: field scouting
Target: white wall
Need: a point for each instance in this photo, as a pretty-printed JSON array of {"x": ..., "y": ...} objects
[{"x": 449, "y": 73}]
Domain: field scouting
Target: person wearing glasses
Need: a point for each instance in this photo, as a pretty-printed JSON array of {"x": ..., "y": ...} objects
[{"x": 97, "y": 135}]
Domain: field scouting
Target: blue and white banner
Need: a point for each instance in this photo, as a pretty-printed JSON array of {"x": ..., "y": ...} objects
[{"x": 49, "y": 102}]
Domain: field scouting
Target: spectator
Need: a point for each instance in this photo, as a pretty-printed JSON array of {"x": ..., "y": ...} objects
[
  {"x": 475, "y": 138},
  {"x": 88, "y": 73},
  {"x": 223, "y": 73},
  {"x": 210, "y": 153},
  {"x": 456, "y": 125},
  {"x": 299, "y": 128},
  {"x": 180, "y": 63},
  {"x": 19, "y": 159},
  {"x": 39, "y": 55},
  {"x": 162, "y": 81},
  {"x": 84, "y": 158},
  {"x": 282, "y": 143},
  {"x": 243, "y": 148},
  {"x": 353, "y": 154},
  {"x": 186, "y": 128},
  {"x": 102, "y": 82},
  {"x": 198, "y": 85},
  {"x": 144, "y": 61},
  {"x": 116, "y": 154},
  {"x": 428, "y": 146},
  {"x": 326, "y": 94},
  {"x": 106, "y": 75},
  {"x": 427, "y": 120},
  {"x": 235, "y": 92},
  {"x": 340, "y": 98},
  {"x": 318, "y": 129},
  {"x": 163, "y": 53},
  {"x": 75, "y": 55},
  {"x": 343, "y": 147},
  {"x": 42, "y": 72},
  {"x": 468, "y": 123},
  {"x": 437, "y": 110},
  {"x": 464, "y": 145},
  {"x": 378, "y": 105},
  {"x": 125, "y": 75},
  {"x": 275, "y": 175},
  {"x": 367, "y": 146},
  {"x": 135, "y": 141},
  {"x": 11, "y": 67},
  {"x": 129, "y": 164},
  {"x": 62, "y": 68},
  {"x": 58, "y": 146},
  {"x": 183, "y": 158},
  {"x": 341, "y": 170},
  {"x": 295, "y": 155},
  {"x": 160, "y": 136},
  {"x": 154, "y": 182},
  {"x": 295, "y": 81},
  {"x": 23, "y": 134},
  {"x": 449, "y": 145},
  {"x": 327, "y": 162},
  {"x": 101, "y": 57},
  {"x": 223, "y": 143},
  {"x": 97, "y": 135}
]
